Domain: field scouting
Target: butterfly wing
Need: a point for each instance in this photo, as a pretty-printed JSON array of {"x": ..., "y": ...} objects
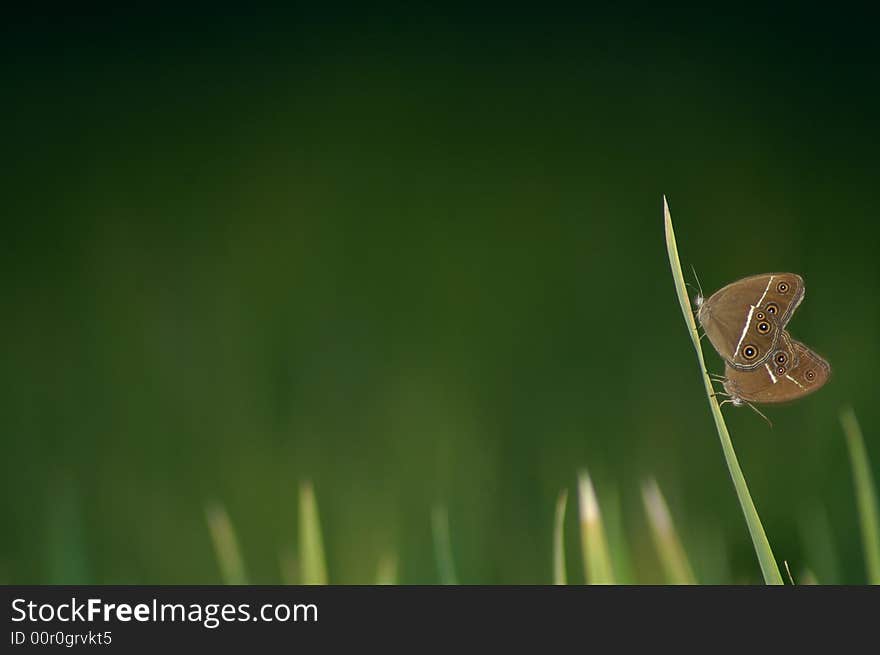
[
  {"x": 782, "y": 296},
  {"x": 744, "y": 319},
  {"x": 793, "y": 371}
]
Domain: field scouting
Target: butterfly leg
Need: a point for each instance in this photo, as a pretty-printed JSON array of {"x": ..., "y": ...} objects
[
  {"x": 717, "y": 379},
  {"x": 723, "y": 394}
]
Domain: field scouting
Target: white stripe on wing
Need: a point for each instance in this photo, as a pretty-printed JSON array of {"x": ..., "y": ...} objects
[{"x": 745, "y": 329}]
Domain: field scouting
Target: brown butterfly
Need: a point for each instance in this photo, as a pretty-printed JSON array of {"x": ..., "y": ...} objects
[{"x": 745, "y": 321}]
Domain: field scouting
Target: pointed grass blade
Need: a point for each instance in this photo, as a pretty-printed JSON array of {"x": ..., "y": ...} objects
[
  {"x": 764, "y": 553},
  {"x": 313, "y": 569},
  {"x": 594, "y": 545},
  {"x": 225, "y": 545},
  {"x": 673, "y": 558},
  {"x": 866, "y": 494},
  {"x": 559, "y": 577}
]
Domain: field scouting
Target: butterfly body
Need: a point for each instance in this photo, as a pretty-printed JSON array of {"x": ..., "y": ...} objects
[{"x": 746, "y": 323}]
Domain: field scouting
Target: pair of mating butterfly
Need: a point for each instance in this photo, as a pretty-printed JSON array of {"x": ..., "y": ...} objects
[{"x": 745, "y": 321}]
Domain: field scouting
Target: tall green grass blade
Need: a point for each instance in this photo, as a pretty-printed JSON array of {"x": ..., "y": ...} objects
[
  {"x": 386, "y": 571},
  {"x": 769, "y": 568},
  {"x": 225, "y": 545},
  {"x": 594, "y": 545},
  {"x": 559, "y": 576},
  {"x": 866, "y": 494},
  {"x": 313, "y": 569},
  {"x": 672, "y": 555},
  {"x": 443, "y": 545}
]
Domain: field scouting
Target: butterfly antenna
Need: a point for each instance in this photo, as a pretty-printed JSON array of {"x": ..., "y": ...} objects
[
  {"x": 760, "y": 413},
  {"x": 699, "y": 286},
  {"x": 788, "y": 570}
]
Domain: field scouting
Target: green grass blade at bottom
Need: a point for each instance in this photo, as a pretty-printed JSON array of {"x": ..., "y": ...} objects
[
  {"x": 594, "y": 545},
  {"x": 672, "y": 555},
  {"x": 766, "y": 560},
  {"x": 225, "y": 545},
  {"x": 866, "y": 494},
  {"x": 313, "y": 568},
  {"x": 559, "y": 576}
]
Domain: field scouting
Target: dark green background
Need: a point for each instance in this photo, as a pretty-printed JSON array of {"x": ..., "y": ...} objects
[{"x": 418, "y": 258}]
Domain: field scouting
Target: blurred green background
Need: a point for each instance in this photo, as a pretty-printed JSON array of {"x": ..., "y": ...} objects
[{"x": 417, "y": 258}]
